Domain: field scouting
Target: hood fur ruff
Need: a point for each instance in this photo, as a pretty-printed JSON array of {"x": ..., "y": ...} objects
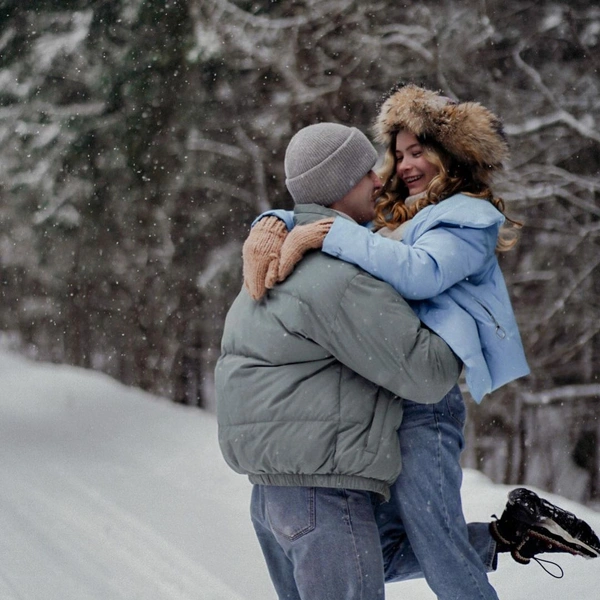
[{"x": 466, "y": 130}]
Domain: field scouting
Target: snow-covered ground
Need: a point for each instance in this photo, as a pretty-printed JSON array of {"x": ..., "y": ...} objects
[{"x": 107, "y": 493}]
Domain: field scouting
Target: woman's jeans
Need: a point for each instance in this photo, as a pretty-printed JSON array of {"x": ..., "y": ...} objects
[
  {"x": 333, "y": 544},
  {"x": 423, "y": 529}
]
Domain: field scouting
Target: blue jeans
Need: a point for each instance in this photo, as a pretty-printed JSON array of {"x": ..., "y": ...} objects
[
  {"x": 329, "y": 544},
  {"x": 423, "y": 529},
  {"x": 319, "y": 543}
]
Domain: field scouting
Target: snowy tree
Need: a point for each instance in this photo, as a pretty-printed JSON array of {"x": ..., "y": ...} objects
[{"x": 139, "y": 139}]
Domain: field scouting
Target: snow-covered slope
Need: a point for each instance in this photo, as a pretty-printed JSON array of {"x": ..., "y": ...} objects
[{"x": 107, "y": 493}]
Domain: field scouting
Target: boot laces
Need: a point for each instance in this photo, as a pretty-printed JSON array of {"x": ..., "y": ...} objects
[{"x": 540, "y": 562}]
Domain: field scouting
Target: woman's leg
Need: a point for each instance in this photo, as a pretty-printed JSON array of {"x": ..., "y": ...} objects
[{"x": 423, "y": 526}]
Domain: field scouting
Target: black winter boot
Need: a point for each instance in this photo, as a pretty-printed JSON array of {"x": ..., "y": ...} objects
[{"x": 531, "y": 525}]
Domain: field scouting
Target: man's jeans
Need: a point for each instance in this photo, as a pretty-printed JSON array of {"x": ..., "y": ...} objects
[
  {"x": 326, "y": 544},
  {"x": 319, "y": 543}
]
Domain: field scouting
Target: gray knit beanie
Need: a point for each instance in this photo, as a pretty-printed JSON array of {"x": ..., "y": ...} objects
[{"x": 324, "y": 162}]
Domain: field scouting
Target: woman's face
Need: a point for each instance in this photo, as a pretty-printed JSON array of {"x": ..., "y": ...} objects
[{"x": 411, "y": 165}]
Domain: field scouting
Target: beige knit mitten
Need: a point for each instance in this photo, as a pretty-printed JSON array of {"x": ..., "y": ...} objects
[
  {"x": 299, "y": 240},
  {"x": 260, "y": 255}
]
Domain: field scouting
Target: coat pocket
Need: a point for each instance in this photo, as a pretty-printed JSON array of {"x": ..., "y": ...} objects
[
  {"x": 500, "y": 331},
  {"x": 290, "y": 510}
]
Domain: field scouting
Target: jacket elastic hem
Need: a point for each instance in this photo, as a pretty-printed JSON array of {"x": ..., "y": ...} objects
[{"x": 349, "y": 482}]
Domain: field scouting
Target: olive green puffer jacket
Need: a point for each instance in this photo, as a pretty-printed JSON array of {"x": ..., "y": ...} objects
[{"x": 310, "y": 377}]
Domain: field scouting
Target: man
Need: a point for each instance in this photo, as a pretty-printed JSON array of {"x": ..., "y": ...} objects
[
  {"x": 308, "y": 395},
  {"x": 309, "y": 386}
]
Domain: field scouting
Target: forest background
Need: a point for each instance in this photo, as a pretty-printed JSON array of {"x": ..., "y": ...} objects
[{"x": 138, "y": 139}]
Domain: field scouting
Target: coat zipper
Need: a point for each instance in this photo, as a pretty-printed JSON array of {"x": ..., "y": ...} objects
[{"x": 500, "y": 331}]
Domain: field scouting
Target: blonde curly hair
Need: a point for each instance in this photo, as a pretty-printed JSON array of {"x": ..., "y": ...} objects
[{"x": 452, "y": 178}]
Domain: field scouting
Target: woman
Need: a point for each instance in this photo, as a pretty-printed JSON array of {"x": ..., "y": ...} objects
[
  {"x": 439, "y": 160},
  {"x": 438, "y": 226}
]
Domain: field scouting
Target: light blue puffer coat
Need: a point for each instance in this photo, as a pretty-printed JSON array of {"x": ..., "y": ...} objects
[{"x": 447, "y": 268}]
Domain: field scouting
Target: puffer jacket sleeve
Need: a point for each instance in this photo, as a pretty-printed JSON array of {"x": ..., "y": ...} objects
[
  {"x": 376, "y": 334},
  {"x": 439, "y": 258}
]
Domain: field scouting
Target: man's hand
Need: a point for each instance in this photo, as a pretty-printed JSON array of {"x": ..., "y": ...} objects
[
  {"x": 301, "y": 239},
  {"x": 260, "y": 255}
]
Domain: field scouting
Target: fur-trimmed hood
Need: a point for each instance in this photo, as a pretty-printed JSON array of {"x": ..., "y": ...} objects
[{"x": 466, "y": 130}]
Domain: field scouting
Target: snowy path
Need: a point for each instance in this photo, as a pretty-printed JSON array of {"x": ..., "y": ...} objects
[
  {"x": 134, "y": 561},
  {"x": 109, "y": 494},
  {"x": 76, "y": 519}
]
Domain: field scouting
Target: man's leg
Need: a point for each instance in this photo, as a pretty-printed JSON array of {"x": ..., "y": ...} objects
[
  {"x": 431, "y": 533},
  {"x": 319, "y": 543},
  {"x": 281, "y": 568}
]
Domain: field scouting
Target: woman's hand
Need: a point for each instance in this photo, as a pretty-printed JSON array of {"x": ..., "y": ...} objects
[
  {"x": 270, "y": 253},
  {"x": 301, "y": 239},
  {"x": 260, "y": 255}
]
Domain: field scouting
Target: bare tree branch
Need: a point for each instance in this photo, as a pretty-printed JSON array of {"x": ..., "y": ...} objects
[
  {"x": 585, "y": 129},
  {"x": 196, "y": 143},
  {"x": 228, "y": 190},
  {"x": 261, "y": 199},
  {"x": 569, "y": 392}
]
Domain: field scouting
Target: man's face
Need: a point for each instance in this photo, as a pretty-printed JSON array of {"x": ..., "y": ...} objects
[{"x": 359, "y": 202}]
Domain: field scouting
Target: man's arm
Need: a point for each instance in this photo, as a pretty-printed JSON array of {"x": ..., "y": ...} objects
[{"x": 376, "y": 334}]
